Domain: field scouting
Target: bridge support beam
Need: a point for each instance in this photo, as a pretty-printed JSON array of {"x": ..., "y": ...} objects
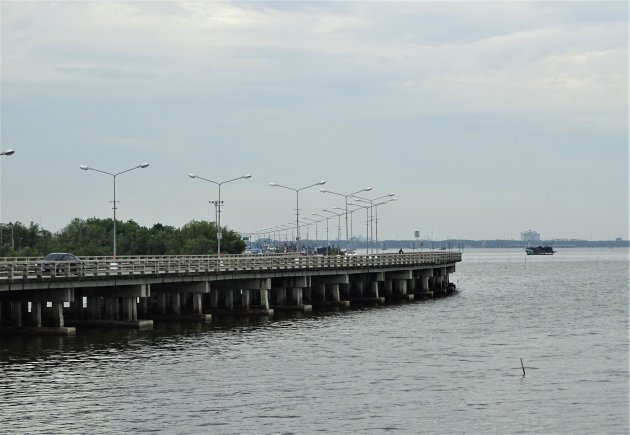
[{"x": 290, "y": 293}]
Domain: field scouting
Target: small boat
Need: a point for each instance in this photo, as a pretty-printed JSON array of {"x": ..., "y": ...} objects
[{"x": 539, "y": 250}]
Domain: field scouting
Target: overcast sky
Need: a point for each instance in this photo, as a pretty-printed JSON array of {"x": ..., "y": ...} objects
[{"x": 485, "y": 119}]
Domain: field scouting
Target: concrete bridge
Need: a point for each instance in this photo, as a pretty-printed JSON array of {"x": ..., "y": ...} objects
[{"x": 132, "y": 291}]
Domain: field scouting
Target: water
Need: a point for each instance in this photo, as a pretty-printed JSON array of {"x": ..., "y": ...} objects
[{"x": 442, "y": 366}]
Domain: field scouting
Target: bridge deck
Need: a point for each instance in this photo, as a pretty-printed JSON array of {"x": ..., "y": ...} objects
[{"x": 20, "y": 270}]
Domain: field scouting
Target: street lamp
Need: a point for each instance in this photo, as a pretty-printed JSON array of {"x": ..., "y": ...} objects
[
  {"x": 367, "y": 189},
  {"x": 8, "y": 152},
  {"x": 88, "y": 168},
  {"x": 314, "y": 222},
  {"x": 376, "y": 217},
  {"x": 297, "y": 206},
  {"x": 327, "y": 219},
  {"x": 218, "y": 204},
  {"x": 371, "y": 201},
  {"x": 338, "y": 224},
  {"x": 367, "y": 223}
]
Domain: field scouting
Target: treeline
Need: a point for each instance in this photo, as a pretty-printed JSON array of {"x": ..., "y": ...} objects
[{"x": 94, "y": 237}]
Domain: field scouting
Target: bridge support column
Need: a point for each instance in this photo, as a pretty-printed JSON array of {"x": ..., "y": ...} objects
[
  {"x": 77, "y": 306},
  {"x": 129, "y": 309},
  {"x": 297, "y": 296},
  {"x": 176, "y": 307},
  {"x": 36, "y": 313},
  {"x": 161, "y": 303},
  {"x": 374, "y": 289},
  {"x": 143, "y": 307},
  {"x": 402, "y": 290},
  {"x": 245, "y": 298},
  {"x": 16, "y": 313},
  {"x": 57, "y": 312},
  {"x": 388, "y": 288},
  {"x": 293, "y": 287},
  {"x": 111, "y": 308},
  {"x": 94, "y": 307},
  {"x": 229, "y": 298},
  {"x": 358, "y": 290},
  {"x": 334, "y": 293},
  {"x": 264, "y": 299},
  {"x": 214, "y": 299},
  {"x": 319, "y": 293},
  {"x": 197, "y": 306}
]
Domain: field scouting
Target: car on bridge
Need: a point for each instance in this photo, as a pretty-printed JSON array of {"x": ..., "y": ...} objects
[{"x": 60, "y": 262}]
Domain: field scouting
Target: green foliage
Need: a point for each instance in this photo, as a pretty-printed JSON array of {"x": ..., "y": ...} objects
[{"x": 94, "y": 237}]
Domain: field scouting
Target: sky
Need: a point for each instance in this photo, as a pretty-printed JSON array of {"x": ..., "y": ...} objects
[{"x": 485, "y": 119}]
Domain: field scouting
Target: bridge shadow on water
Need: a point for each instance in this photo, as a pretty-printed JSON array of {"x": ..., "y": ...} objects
[{"x": 169, "y": 335}]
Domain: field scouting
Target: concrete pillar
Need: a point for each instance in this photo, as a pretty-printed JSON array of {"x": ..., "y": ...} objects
[
  {"x": 36, "y": 313},
  {"x": 77, "y": 306},
  {"x": 388, "y": 287},
  {"x": 16, "y": 313},
  {"x": 358, "y": 289},
  {"x": 297, "y": 295},
  {"x": 111, "y": 308},
  {"x": 320, "y": 292},
  {"x": 373, "y": 289},
  {"x": 344, "y": 291},
  {"x": 161, "y": 303},
  {"x": 281, "y": 295},
  {"x": 214, "y": 298},
  {"x": 229, "y": 298},
  {"x": 57, "y": 311},
  {"x": 143, "y": 306},
  {"x": 424, "y": 283},
  {"x": 334, "y": 292},
  {"x": 94, "y": 307},
  {"x": 402, "y": 286},
  {"x": 197, "y": 303},
  {"x": 128, "y": 309},
  {"x": 306, "y": 295},
  {"x": 245, "y": 298},
  {"x": 176, "y": 306},
  {"x": 264, "y": 298},
  {"x": 411, "y": 285}
]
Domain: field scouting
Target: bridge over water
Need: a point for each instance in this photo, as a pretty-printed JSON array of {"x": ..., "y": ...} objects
[{"x": 132, "y": 291}]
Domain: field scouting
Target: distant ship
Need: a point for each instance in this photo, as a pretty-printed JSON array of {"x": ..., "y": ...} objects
[{"x": 539, "y": 250}]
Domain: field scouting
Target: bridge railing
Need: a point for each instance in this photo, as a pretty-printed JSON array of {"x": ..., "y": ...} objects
[{"x": 24, "y": 269}]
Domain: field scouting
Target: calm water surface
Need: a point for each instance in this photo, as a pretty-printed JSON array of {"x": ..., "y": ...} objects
[{"x": 442, "y": 366}]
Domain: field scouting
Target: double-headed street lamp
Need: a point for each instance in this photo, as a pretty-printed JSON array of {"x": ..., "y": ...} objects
[
  {"x": 376, "y": 216},
  {"x": 338, "y": 224},
  {"x": 297, "y": 206},
  {"x": 371, "y": 202},
  {"x": 327, "y": 219},
  {"x": 367, "y": 222},
  {"x": 88, "y": 168},
  {"x": 219, "y": 203},
  {"x": 367, "y": 189}
]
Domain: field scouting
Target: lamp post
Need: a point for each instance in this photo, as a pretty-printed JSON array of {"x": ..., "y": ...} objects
[
  {"x": 367, "y": 189},
  {"x": 8, "y": 152},
  {"x": 371, "y": 201},
  {"x": 297, "y": 206},
  {"x": 327, "y": 240},
  {"x": 314, "y": 222},
  {"x": 219, "y": 203},
  {"x": 376, "y": 217},
  {"x": 367, "y": 223},
  {"x": 88, "y": 168},
  {"x": 338, "y": 224}
]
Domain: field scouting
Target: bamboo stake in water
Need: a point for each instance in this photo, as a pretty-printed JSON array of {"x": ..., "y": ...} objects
[{"x": 523, "y": 367}]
